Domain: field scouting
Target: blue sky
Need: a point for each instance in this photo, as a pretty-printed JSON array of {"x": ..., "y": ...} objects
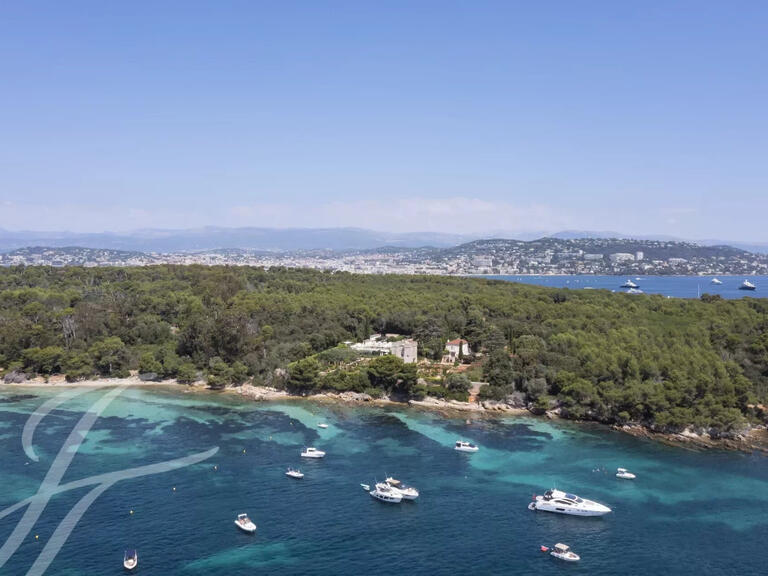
[{"x": 461, "y": 116}]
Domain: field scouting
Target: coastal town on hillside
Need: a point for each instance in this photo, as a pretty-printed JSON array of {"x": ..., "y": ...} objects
[{"x": 548, "y": 256}]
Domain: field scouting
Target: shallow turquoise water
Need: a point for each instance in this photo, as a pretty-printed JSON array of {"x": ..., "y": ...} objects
[{"x": 687, "y": 513}]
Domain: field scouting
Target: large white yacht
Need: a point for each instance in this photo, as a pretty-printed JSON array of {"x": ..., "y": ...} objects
[
  {"x": 564, "y": 503},
  {"x": 386, "y": 493},
  {"x": 312, "y": 453},
  {"x": 716, "y": 281},
  {"x": 629, "y": 284},
  {"x": 463, "y": 446},
  {"x": 747, "y": 285},
  {"x": 407, "y": 492}
]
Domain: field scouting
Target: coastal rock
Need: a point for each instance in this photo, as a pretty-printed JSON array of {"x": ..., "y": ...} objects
[
  {"x": 261, "y": 392},
  {"x": 431, "y": 402},
  {"x": 494, "y": 405},
  {"x": 355, "y": 397},
  {"x": 15, "y": 377},
  {"x": 516, "y": 400}
]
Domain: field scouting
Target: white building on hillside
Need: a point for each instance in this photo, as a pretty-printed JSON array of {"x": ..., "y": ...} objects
[
  {"x": 621, "y": 257},
  {"x": 378, "y": 345},
  {"x": 456, "y": 348},
  {"x": 406, "y": 349}
]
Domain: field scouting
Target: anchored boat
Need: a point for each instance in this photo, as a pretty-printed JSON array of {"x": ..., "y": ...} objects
[
  {"x": 563, "y": 552},
  {"x": 463, "y": 446},
  {"x": 385, "y": 493},
  {"x": 295, "y": 473},
  {"x": 245, "y": 524},
  {"x": 624, "y": 473},
  {"x": 564, "y": 503},
  {"x": 312, "y": 453},
  {"x": 130, "y": 559}
]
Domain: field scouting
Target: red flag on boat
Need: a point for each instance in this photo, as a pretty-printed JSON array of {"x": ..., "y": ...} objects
[{"x": 544, "y": 549}]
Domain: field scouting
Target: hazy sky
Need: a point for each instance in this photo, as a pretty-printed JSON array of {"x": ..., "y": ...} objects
[{"x": 464, "y": 116}]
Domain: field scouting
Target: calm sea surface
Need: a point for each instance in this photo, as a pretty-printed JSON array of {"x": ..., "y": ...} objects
[
  {"x": 675, "y": 286},
  {"x": 688, "y": 513}
]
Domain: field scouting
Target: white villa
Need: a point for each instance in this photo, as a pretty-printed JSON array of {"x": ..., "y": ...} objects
[
  {"x": 456, "y": 348},
  {"x": 380, "y": 345}
]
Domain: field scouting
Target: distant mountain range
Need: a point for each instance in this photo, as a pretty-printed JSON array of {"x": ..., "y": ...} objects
[
  {"x": 212, "y": 238},
  {"x": 292, "y": 239}
]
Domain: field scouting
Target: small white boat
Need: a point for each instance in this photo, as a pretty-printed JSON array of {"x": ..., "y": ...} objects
[
  {"x": 245, "y": 524},
  {"x": 294, "y": 473},
  {"x": 407, "y": 492},
  {"x": 715, "y": 281},
  {"x": 312, "y": 453},
  {"x": 365, "y": 487},
  {"x": 130, "y": 559},
  {"x": 564, "y": 552},
  {"x": 322, "y": 425},
  {"x": 463, "y": 446},
  {"x": 635, "y": 291},
  {"x": 629, "y": 284},
  {"x": 624, "y": 473},
  {"x": 747, "y": 285},
  {"x": 563, "y": 503},
  {"x": 385, "y": 493}
]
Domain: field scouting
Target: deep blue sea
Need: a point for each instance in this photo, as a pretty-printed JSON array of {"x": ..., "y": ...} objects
[
  {"x": 687, "y": 513},
  {"x": 674, "y": 286}
]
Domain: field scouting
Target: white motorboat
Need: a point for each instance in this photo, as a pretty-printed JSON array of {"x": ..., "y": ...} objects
[
  {"x": 629, "y": 284},
  {"x": 130, "y": 559},
  {"x": 564, "y": 503},
  {"x": 635, "y": 291},
  {"x": 564, "y": 552},
  {"x": 295, "y": 473},
  {"x": 624, "y": 473},
  {"x": 715, "y": 281},
  {"x": 312, "y": 453},
  {"x": 407, "y": 492},
  {"x": 463, "y": 446},
  {"x": 245, "y": 524},
  {"x": 365, "y": 487},
  {"x": 747, "y": 285},
  {"x": 322, "y": 425},
  {"x": 385, "y": 493}
]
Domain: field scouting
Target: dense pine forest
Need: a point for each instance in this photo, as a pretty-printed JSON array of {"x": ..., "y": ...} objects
[{"x": 664, "y": 363}]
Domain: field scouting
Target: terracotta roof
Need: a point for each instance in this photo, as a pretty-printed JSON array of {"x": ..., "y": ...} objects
[{"x": 457, "y": 342}]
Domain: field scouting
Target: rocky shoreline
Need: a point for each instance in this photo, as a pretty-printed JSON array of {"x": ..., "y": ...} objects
[
  {"x": 754, "y": 439},
  {"x": 262, "y": 394}
]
